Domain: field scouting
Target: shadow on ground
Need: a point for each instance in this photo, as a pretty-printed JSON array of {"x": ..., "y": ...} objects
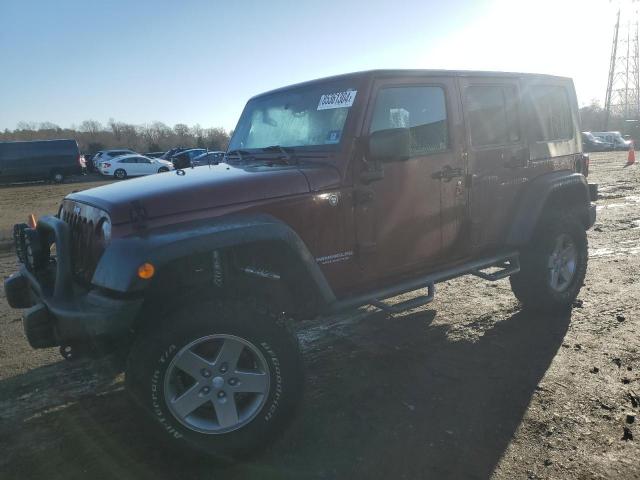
[{"x": 386, "y": 398}]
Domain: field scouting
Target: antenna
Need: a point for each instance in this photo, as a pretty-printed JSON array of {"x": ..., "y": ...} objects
[{"x": 623, "y": 87}]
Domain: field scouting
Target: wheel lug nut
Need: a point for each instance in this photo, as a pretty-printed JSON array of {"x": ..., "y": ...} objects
[
  {"x": 205, "y": 390},
  {"x": 221, "y": 394},
  {"x": 205, "y": 373},
  {"x": 223, "y": 368}
]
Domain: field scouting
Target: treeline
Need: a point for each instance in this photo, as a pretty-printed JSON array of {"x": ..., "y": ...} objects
[
  {"x": 593, "y": 118},
  {"x": 93, "y": 136}
]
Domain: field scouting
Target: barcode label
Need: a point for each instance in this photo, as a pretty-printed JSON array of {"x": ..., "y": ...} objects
[{"x": 337, "y": 100}]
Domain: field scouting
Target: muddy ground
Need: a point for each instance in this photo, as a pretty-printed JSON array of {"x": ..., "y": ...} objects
[{"x": 469, "y": 387}]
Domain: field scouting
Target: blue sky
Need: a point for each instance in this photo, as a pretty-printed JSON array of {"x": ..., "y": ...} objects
[{"x": 197, "y": 61}]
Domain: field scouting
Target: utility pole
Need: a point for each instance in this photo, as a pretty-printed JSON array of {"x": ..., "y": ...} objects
[{"x": 623, "y": 87}]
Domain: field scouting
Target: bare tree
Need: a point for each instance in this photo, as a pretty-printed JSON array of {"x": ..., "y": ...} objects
[{"x": 93, "y": 136}]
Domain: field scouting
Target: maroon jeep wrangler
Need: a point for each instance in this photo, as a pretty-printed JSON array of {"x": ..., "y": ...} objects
[{"x": 333, "y": 194}]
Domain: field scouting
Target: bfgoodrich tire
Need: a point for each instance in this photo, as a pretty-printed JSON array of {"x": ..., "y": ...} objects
[
  {"x": 553, "y": 266},
  {"x": 221, "y": 380}
]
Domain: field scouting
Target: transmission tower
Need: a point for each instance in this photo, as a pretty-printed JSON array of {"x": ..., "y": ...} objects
[{"x": 623, "y": 88}]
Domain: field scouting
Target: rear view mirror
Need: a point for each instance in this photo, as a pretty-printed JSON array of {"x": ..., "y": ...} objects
[{"x": 390, "y": 145}]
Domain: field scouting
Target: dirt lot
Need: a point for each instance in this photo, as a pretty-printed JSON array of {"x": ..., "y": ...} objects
[
  {"x": 469, "y": 387},
  {"x": 18, "y": 201}
]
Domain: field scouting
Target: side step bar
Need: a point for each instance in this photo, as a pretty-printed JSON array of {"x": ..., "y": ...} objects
[
  {"x": 508, "y": 263},
  {"x": 407, "y": 304},
  {"x": 509, "y": 267}
]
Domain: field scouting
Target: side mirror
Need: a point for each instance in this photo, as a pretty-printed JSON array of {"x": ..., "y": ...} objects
[{"x": 390, "y": 145}]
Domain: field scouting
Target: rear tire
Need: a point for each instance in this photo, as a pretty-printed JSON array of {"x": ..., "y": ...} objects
[
  {"x": 553, "y": 266},
  {"x": 120, "y": 174},
  {"x": 210, "y": 405}
]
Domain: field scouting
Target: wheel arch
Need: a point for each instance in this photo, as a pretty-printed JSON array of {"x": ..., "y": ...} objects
[
  {"x": 247, "y": 237},
  {"x": 557, "y": 190}
]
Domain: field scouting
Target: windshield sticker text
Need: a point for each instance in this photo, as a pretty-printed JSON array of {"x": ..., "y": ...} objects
[{"x": 337, "y": 100}]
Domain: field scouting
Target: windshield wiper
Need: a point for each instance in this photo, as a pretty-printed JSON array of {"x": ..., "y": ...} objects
[
  {"x": 288, "y": 157},
  {"x": 236, "y": 153}
]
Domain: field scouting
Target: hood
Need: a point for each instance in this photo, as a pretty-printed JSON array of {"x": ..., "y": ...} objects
[{"x": 204, "y": 188}]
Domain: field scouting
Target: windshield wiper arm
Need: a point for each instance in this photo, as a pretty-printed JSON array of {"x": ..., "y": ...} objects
[
  {"x": 279, "y": 148},
  {"x": 238, "y": 153}
]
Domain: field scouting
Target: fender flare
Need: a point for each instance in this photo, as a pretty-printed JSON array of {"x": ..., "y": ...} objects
[
  {"x": 117, "y": 268},
  {"x": 532, "y": 203}
]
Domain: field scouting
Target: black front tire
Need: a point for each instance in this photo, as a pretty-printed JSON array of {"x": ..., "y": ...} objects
[
  {"x": 534, "y": 285},
  {"x": 152, "y": 356}
]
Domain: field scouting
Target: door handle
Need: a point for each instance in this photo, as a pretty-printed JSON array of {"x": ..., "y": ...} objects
[{"x": 447, "y": 173}]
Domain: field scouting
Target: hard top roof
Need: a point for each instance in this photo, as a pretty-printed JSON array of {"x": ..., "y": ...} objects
[{"x": 381, "y": 73}]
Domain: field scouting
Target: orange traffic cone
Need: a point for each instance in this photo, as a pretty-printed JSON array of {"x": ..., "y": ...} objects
[{"x": 631, "y": 157}]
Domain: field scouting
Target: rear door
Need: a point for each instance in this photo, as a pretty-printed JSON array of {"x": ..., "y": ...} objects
[
  {"x": 497, "y": 154},
  {"x": 144, "y": 165},
  {"x": 406, "y": 219}
]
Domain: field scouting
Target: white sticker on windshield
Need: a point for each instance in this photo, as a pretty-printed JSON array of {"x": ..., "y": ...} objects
[{"x": 337, "y": 100}]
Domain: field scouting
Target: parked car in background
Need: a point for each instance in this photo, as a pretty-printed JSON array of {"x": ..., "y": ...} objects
[
  {"x": 591, "y": 143},
  {"x": 171, "y": 152},
  {"x": 104, "y": 155},
  {"x": 154, "y": 154},
  {"x": 614, "y": 138},
  {"x": 39, "y": 160},
  {"x": 133, "y": 166},
  {"x": 184, "y": 158},
  {"x": 208, "y": 158}
]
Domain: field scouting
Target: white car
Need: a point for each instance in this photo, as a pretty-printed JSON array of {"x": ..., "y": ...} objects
[
  {"x": 134, "y": 165},
  {"x": 106, "y": 155}
]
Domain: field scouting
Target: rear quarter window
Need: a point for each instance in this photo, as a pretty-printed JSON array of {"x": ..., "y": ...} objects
[{"x": 552, "y": 113}]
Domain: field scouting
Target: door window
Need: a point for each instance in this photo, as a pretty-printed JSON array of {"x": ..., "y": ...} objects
[
  {"x": 493, "y": 115},
  {"x": 551, "y": 106},
  {"x": 421, "y": 109}
]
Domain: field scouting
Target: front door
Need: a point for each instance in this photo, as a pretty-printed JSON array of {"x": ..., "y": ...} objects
[
  {"x": 401, "y": 223},
  {"x": 497, "y": 153}
]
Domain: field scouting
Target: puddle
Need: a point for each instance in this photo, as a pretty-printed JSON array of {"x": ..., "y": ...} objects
[
  {"x": 624, "y": 248},
  {"x": 629, "y": 199}
]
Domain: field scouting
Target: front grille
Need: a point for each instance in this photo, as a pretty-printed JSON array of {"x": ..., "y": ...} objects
[{"x": 86, "y": 242}]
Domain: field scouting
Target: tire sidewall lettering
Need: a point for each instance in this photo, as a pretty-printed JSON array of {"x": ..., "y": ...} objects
[
  {"x": 157, "y": 393},
  {"x": 277, "y": 375}
]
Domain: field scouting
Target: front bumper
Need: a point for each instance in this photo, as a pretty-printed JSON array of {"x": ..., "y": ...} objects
[{"x": 58, "y": 310}]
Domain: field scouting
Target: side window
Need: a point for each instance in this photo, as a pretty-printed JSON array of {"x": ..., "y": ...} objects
[
  {"x": 420, "y": 109},
  {"x": 552, "y": 110},
  {"x": 493, "y": 115}
]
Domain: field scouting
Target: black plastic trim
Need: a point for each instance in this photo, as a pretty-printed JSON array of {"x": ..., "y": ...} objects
[
  {"x": 117, "y": 269},
  {"x": 532, "y": 203}
]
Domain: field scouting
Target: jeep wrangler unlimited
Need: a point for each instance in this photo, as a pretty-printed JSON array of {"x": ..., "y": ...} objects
[{"x": 333, "y": 194}]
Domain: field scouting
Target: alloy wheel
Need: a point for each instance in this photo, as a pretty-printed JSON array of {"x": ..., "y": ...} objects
[
  {"x": 217, "y": 384},
  {"x": 562, "y": 263}
]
